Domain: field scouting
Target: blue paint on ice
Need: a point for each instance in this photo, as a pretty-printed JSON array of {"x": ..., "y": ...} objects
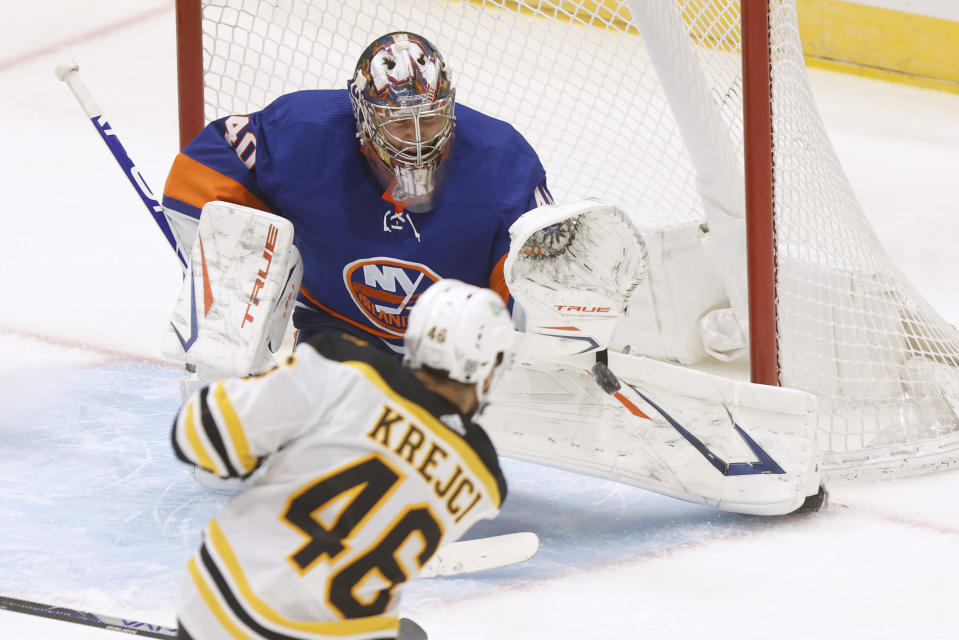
[{"x": 93, "y": 500}]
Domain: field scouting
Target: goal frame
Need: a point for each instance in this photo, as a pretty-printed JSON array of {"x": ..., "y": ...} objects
[
  {"x": 760, "y": 191},
  {"x": 189, "y": 68}
]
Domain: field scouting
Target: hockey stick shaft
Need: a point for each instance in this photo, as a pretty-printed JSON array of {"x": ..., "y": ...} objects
[
  {"x": 453, "y": 559},
  {"x": 456, "y": 558},
  {"x": 87, "y": 618},
  {"x": 69, "y": 72}
]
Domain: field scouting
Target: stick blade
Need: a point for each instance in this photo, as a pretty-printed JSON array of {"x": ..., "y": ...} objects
[{"x": 483, "y": 553}]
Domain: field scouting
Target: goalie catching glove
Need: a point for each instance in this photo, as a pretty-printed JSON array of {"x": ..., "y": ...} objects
[{"x": 573, "y": 268}]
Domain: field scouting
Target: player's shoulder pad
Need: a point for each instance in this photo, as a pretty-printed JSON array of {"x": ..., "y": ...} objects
[
  {"x": 492, "y": 145},
  {"x": 344, "y": 347},
  {"x": 315, "y": 108},
  {"x": 340, "y": 346},
  {"x": 482, "y": 128}
]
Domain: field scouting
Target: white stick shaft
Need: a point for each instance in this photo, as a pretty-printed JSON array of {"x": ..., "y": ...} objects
[{"x": 69, "y": 73}]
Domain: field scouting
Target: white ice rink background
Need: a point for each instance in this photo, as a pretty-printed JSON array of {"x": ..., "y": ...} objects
[{"x": 96, "y": 514}]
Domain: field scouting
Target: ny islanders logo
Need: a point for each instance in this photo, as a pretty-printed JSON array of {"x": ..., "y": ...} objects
[{"x": 385, "y": 289}]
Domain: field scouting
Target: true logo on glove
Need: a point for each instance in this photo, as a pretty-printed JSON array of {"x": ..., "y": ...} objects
[{"x": 566, "y": 307}]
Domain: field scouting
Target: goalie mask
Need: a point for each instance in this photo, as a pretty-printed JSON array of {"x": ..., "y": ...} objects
[
  {"x": 463, "y": 330},
  {"x": 403, "y": 100}
]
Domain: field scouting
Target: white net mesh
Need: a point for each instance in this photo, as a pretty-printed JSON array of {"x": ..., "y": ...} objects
[
  {"x": 577, "y": 79},
  {"x": 852, "y": 329}
]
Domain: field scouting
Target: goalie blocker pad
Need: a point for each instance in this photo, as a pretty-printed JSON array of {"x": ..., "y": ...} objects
[
  {"x": 238, "y": 292},
  {"x": 695, "y": 436}
]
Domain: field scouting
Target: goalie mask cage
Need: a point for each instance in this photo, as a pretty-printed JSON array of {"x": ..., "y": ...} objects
[{"x": 641, "y": 103}]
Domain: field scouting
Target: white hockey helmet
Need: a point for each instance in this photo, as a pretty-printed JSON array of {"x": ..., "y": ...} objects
[{"x": 463, "y": 330}]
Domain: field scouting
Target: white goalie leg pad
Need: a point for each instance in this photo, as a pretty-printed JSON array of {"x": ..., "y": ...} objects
[
  {"x": 735, "y": 446},
  {"x": 572, "y": 268},
  {"x": 238, "y": 292}
]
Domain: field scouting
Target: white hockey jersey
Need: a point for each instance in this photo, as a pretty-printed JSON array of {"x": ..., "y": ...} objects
[{"x": 367, "y": 473}]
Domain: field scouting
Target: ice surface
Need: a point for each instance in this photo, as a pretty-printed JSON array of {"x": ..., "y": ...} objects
[{"x": 95, "y": 513}]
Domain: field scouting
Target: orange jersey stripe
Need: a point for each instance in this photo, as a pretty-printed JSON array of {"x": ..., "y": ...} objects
[
  {"x": 196, "y": 184},
  {"x": 370, "y": 330},
  {"x": 497, "y": 280}
]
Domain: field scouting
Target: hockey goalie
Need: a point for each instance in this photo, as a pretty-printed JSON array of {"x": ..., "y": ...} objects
[{"x": 574, "y": 401}]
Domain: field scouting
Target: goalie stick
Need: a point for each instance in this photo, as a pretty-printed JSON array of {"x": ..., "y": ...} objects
[
  {"x": 69, "y": 72},
  {"x": 455, "y": 558}
]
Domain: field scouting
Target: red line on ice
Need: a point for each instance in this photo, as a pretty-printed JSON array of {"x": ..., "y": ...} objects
[
  {"x": 84, "y": 37},
  {"x": 111, "y": 354}
]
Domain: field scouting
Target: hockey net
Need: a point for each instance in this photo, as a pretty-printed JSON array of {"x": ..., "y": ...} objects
[{"x": 646, "y": 111}]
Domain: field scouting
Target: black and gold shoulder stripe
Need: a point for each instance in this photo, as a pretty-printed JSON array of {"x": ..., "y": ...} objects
[
  {"x": 349, "y": 349},
  {"x": 215, "y": 439}
]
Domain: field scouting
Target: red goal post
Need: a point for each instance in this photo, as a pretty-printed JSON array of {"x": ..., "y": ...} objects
[
  {"x": 189, "y": 68},
  {"x": 683, "y": 112},
  {"x": 758, "y": 161}
]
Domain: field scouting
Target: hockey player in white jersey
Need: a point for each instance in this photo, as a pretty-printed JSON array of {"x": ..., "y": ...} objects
[{"x": 370, "y": 466}]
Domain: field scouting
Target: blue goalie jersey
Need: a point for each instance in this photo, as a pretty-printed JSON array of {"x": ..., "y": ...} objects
[{"x": 366, "y": 260}]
